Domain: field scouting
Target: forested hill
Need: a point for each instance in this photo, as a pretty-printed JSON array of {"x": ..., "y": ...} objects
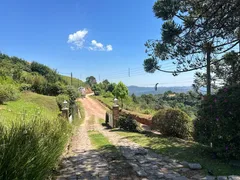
[
  {"x": 160, "y": 90},
  {"x": 33, "y": 76}
]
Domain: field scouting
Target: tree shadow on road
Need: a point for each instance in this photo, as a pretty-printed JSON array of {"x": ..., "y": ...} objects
[{"x": 105, "y": 163}]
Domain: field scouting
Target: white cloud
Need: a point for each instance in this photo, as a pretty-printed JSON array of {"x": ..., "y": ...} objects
[
  {"x": 109, "y": 47},
  {"x": 77, "y": 39},
  {"x": 97, "y": 46}
]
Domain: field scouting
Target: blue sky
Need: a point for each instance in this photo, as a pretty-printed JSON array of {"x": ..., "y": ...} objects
[{"x": 102, "y": 38}]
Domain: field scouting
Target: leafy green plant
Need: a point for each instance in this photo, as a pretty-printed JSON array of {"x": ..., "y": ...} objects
[
  {"x": 218, "y": 122},
  {"x": 31, "y": 150},
  {"x": 172, "y": 122},
  {"x": 121, "y": 91},
  {"x": 8, "y": 92},
  {"x": 108, "y": 95},
  {"x": 25, "y": 87},
  {"x": 147, "y": 111},
  {"x": 60, "y": 99},
  {"x": 127, "y": 123}
]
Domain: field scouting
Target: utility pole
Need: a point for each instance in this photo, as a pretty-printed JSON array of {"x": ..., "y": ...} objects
[
  {"x": 71, "y": 78},
  {"x": 129, "y": 73}
]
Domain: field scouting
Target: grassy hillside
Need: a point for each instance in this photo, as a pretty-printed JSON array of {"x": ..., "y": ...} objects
[
  {"x": 75, "y": 82},
  {"x": 29, "y": 104}
]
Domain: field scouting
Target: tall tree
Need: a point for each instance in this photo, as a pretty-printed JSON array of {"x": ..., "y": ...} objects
[
  {"x": 192, "y": 33},
  {"x": 91, "y": 80},
  {"x": 120, "y": 91},
  {"x": 226, "y": 72}
]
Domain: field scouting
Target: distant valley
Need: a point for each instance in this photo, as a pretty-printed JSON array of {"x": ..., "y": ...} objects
[{"x": 160, "y": 90}]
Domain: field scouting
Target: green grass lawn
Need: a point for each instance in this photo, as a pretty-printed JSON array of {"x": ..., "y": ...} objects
[
  {"x": 29, "y": 104},
  {"x": 100, "y": 142},
  {"x": 182, "y": 150},
  {"x": 75, "y": 82},
  {"x": 106, "y": 101}
]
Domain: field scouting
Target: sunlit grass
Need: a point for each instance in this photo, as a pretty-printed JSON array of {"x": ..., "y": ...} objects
[
  {"x": 29, "y": 105},
  {"x": 182, "y": 150},
  {"x": 100, "y": 142}
]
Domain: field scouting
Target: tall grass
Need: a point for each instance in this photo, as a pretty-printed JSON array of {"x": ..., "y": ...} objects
[{"x": 31, "y": 148}]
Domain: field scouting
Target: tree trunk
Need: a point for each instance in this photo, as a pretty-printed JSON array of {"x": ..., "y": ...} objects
[{"x": 208, "y": 72}]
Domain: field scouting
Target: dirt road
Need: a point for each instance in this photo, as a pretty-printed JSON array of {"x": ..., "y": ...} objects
[
  {"x": 133, "y": 161},
  {"x": 82, "y": 161}
]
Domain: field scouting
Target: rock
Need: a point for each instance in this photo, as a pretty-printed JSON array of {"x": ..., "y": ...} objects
[
  {"x": 184, "y": 169},
  {"x": 104, "y": 178},
  {"x": 178, "y": 166},
  {"x": 159, "y": 175},
  {"x": 197, "y": 176},
  {"x": 234, "y": 177},
  {"x": 184, "y": 163},
  {"x": 154, "y": 167},
  {"x": 180, "y": 178},
  {"x": 222, "y": 178},
  {"x": 208, "y": 178},
  {"x": 141, "y": 173},
  {"x": 169, "y": 176},
  {"x": 140, "y": 151},
  {"x": 102, "y": 165},
  {"x": 194, "y": 166}
]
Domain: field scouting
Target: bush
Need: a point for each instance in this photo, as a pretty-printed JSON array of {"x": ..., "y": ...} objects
[
  {"x": 60, "y": 99},
  {"x": 8, "y": 92},
  {"x": 72, "y": 93},
  {"x": 108, "y": 95},
  {"x": 127, "y": 123},
  {"x": 172, "y": 122},
  {"x": 218, "y": 122},
  {"x": 147, "y": 111},
  {"x": 32, "y": 150},
  {"x": 25, "y": 87}
]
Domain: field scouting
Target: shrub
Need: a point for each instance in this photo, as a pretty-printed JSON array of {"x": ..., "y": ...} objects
[
  {"x": 25, "y": 87},
  {"x": 147, "y": 111},
  {"x": 8, "y": 92},
  {"x": 218, "y": 122},
  {"x": 108, "y": 95},
  {"x": 72, "y": 93},
  {"x": 31, "y": 151},
  {"x": 60, "y": 99},
  {"x": 172, "y": 122},
  {"x": 127, "y": 123}
]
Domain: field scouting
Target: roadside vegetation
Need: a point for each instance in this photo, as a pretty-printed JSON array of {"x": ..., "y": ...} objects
[{"x": 33, "y": 135}]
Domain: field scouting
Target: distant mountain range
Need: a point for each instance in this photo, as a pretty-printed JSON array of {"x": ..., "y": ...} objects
[{"x": 160, "y": 90}]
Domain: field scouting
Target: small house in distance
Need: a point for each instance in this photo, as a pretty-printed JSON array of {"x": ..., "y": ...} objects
[{"x": 82, "y": 91}]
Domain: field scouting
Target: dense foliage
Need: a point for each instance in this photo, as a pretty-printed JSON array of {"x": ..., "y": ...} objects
[
  {"x": 172, "y": 122},
  {"x": 31, "y": 150},
  {"x": 225, "y": 72},
  {"x": 120, "y": 91},
  {"x": 127, "y": 123},
  {"x": 218, "y": 122},
  {"x": 33, "y": 76},
  {"x": 31, "y": 144},
  {"x": 8, "y": 92}
]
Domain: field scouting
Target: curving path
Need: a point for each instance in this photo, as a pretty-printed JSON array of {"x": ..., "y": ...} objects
[{"x": 83, "y": 162}]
